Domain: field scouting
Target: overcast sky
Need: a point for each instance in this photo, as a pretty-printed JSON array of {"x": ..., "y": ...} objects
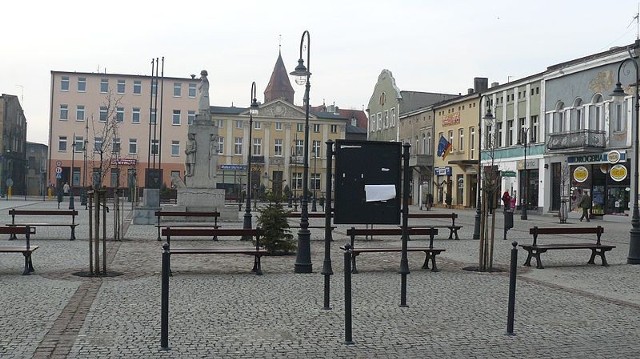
[{"x": 434, "y": 46}]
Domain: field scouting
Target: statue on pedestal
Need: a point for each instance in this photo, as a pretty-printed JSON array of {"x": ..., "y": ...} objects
[{"x": 203, "y": 93}]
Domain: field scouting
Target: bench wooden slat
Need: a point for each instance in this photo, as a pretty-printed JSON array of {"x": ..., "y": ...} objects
[
  {"x": 566, "y": 230},
  {"x": 219, "y": 251},
  {"x": 17, "y": 229},
  {"x": 17, "y": 249},
  {"x": 26, "y": 250},
  {"x": 36, "y": 212},
  {"x": 186, "y": 214},
  {"x": 209, "y": 232}
]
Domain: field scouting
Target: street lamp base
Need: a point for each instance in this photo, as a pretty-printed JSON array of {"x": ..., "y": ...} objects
[{"x": 634, "y": 246}]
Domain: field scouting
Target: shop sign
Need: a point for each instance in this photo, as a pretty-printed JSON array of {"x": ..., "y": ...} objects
[
  {"x": 443, "y": 171},
  {"x": 233, "y": 167},
  {"x": 580, "y": 174},
  {"x": 618, "y": 172},
  {"x": 451, "y": 119},
  {"x": 531, "y": 164},
  {"x": 508, "y": 173},
  {"x": 613, "y": 157},
  {"x": 605, "y": 157}
]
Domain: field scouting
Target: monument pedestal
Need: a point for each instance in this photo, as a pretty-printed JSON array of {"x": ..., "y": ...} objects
[
  {"x": 192, "y": 199},
  {"x": 145, "y": 214}
]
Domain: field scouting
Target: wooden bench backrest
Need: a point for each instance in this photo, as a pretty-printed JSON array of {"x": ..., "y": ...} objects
[
  {"x": 353, "y": 232},
  {"x": 210, "y": 232},
  {"x": 433, "y": 215},
  {"x": 35, "y": 212},
  {"x": 535, "y": 231},
  {"x": 186, "y": 214},
  {"x": 17, "y": 230},
  {"x": 310, "y": 215}
]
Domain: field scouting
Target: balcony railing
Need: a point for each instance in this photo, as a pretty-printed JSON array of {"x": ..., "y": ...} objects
[
  {"x": 421, "y": 161},
  {"x": 576, "y": 141}
]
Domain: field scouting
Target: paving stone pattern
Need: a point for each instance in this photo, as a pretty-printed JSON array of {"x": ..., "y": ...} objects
[{"x": 219, "y": 309}]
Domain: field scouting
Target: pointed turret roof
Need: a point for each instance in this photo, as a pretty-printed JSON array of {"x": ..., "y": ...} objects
[{"x": 279, "y": 86}]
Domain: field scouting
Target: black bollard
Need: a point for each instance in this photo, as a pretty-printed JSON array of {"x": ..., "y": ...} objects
[
  {"x": 512, "y": 288},
  {"x": 164, "y": 316},
  {"x": 348, "y": 338}
]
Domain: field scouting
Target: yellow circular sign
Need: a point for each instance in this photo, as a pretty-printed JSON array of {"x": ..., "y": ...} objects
[
  {"x": 618, "y": 172},
  {"x": 580, "y": 174},
  {"x": 613, "y": 157}
]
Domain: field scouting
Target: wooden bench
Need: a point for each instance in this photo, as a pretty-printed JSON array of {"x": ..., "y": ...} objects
[
  {"x": 311, "y": 215},
  {"x": 215, "y": 215},
  {"x": 256, "y": 251},
  {"x": 430, "y": 252},
  {"x": 536, "y": 249},
  {"x": 453, "y": 228},
  {"x": 25, "y": 250},
  {"x": 49, "y": 213}
]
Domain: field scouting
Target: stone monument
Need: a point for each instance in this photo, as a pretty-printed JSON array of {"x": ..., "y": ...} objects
[{"x": 198, "y": 191}]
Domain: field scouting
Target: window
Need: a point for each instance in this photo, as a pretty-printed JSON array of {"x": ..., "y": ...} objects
[
  {"x": 472, "y": 142},
  {"x": 372, "y": 124},
  {"x": 385, "y": 119},
  {"x": 237, "y": 146},
  {"x": 534, "y": 129},
  {"x": 576, "y": 120},
  {"x": 154, "y": 86},
  {"x": 278, "y": 126},
  {"x": 120, "y": 86},
  {"x": 499, "y": 136},
  {"x": 64, "y": 112},
  {"x": 192, "y": 90},
  {"x": 334, "y": 128},
  {"x": 393, "y": 116},
  {"x": 175, "y": 148},
  {"x": 461, "y": 139},
  {"x": 220, "y": 123},
  {"x": 135, "y": 115},
  {"x": 296, "y": 177},
  {"x": 315, "y": 181},
  {"x": 115, "y": 147},
  {"x": 177, "y": 89},
  {"x": 299, "y": 127},
  {"x": 299, "y": 149},
  {"x": 191, "y": 116},
  {"x": 450, "y": 135},
  {"x": 64, "y": 83},
  {"x": 78, "y": 142},
  {"x": 154, "y": 147},
  {"x": 120, "y": 114},
  {"x": 62, "y": 143},
  {"x": 97, "y": 144},
  {"x": 175, "y": 120},
  {"x": 617, "y": 111},
  {"x": 238, "y": 124},
  {"x": 428, "y": 146},
  {"x": 256, "y": 125},
  {"x": 595, "y": 113},
  {"x": 220, "y": 144},
  {"x": 103, "y": 114},
  {"x": 80, "y": 113},
  {"x": 316, "y": 149},
  {"x": 277, "y": 147},
  {"x": 510, "y": 133},
  {"x": 133, "y": 146},
  {"x": 104, "y": 85},
  {"x": 257, "y": 146},
  {"x": 152, "y": 117},
  {"x": 379, "y": 126},
  {"x": 137, "y": 87},
  {"x": 521, "y": 122},
  {"x": 82, "y": 84},
  {"x": 316, "y": 127}
]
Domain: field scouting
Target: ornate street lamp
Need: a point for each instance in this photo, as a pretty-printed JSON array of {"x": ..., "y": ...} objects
[
  {"x": 253, "y": 110},
  {"x": 302, "y": 73},
  {"x": 73, "y": 158},
  {"x": 618, "y": 95},
  {"x": 487, "y": 117}
]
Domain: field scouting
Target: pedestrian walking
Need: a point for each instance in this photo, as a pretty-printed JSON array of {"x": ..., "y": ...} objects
[
  {"x": 585, "y": 204},
  {"x": 65, "y": 188},
  {"x": 506, "y": 200}
]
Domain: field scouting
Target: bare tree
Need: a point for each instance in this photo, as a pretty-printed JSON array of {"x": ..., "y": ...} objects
[
  {"x": 106, "y": 138},
  {"x": 490, "y": 188}
]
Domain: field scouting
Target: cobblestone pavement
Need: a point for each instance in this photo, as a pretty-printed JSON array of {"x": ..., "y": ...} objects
[{"x": 218, "y": 309}]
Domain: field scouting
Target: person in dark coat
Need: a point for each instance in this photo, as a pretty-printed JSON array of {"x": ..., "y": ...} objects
[
  {"x": 585, "y": 204},
  {"x": 506, "y": 200}
]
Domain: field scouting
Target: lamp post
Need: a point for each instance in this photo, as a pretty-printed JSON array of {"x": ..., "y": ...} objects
[
  {"x": 488, "y": 117},
  {"x": 315, "y": 174},
  {"x": 634, "y": 234},
  {"x": 73, "y": 158},
  {"x": 253, "y": 110},
  {"x": 302, "y": 73},
  {"x": 525, "y": 192}
]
